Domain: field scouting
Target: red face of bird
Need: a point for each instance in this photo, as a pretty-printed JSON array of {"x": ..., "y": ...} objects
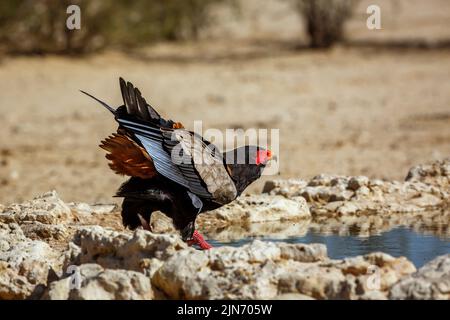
[
  {"x": 263, "y": 156},
  {"x": 246, "y": 164},
  {"x": 249, "y": 155}
]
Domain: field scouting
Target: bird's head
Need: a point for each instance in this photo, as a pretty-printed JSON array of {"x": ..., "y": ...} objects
[{"x": 246, "y": 164}]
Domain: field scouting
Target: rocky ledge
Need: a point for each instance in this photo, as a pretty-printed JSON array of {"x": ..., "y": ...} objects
[
  {"x": 426, "y": 188},
  {"x": 50, "y": 249}
]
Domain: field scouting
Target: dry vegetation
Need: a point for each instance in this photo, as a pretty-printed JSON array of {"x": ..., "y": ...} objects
[{"x": 32, "y": 27}]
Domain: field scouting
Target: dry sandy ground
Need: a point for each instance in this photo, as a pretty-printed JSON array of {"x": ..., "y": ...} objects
[{"x": 349, "y": 111}]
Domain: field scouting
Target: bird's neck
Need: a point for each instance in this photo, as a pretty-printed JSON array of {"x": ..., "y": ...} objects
[{"x": 242, "y": 175}]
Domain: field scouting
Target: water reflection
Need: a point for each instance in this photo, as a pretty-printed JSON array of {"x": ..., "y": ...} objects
[{"x": 420, "y": 237}]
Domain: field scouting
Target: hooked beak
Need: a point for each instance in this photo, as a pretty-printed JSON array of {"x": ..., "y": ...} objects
[{"x": 271, "y": 156}]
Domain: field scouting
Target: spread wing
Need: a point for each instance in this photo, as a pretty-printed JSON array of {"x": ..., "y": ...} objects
[
  {"x": 127, "y": 157},
  {"x": 176, "y": 153},
  {"x": 207, "y": 161},
  {"x": 147, "y": 144}
]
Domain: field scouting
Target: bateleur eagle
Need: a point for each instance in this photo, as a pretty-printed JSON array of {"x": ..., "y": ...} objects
[{"x": 173, "y": 170}]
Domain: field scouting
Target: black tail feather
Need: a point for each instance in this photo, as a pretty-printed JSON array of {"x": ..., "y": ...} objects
[
  {"x": 135, "y": 104},
  {"x": 101, "y": 102},
  {"x": 142, "y": 105}
]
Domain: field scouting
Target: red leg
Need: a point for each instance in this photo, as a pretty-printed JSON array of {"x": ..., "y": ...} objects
[{"x": 197, "y": 238}]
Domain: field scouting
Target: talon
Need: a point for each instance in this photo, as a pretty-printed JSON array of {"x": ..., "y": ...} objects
[{"x": 197, "y": 238}]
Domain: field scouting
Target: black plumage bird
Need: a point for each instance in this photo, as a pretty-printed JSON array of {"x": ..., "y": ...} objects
[{"x": 173, "y": 170}]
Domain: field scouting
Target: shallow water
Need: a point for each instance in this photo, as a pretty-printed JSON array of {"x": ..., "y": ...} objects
[{"x": 418, "y": 247}]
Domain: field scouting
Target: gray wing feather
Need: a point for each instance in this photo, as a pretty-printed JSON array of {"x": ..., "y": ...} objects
[
  {"x": 153, "y": 141},
  {"x": 201, "y": 162},
  {"x": 196, "y": 201},
  {"x": 162, "y": 161}
]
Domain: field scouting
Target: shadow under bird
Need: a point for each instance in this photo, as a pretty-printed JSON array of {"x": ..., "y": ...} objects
[{"x": 173, "y": 170}]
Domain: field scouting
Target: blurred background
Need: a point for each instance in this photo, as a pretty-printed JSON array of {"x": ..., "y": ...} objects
[{"x": 347, "y": 100}]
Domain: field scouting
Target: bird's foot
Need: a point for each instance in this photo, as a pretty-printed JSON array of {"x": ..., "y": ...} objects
[{"x": 197, "y": 238}]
